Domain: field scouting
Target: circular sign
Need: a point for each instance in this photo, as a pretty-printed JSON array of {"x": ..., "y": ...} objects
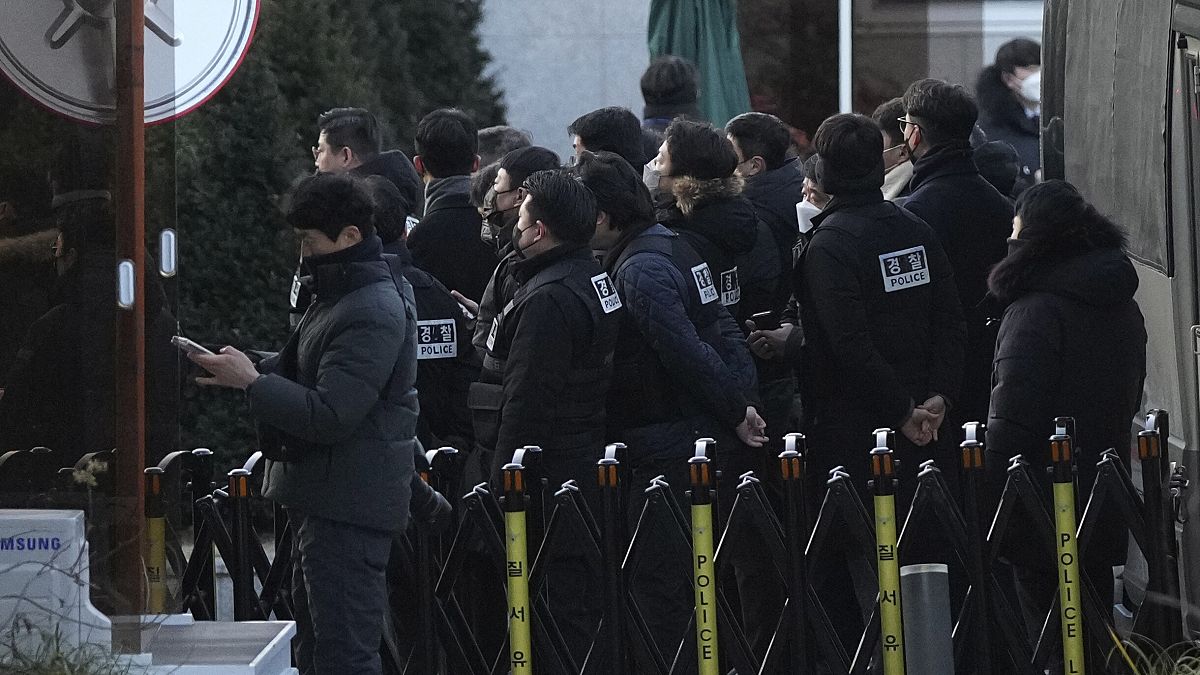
[{"x": 62, "y": 53}]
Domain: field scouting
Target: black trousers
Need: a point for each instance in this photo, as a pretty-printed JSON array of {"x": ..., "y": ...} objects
[{"x": 339, "y": 589}]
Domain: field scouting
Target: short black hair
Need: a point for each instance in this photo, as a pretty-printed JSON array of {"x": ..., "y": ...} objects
[
  {"x": 564, "y": 204},
  {"x": 496, "y": 142},
  {"x": 524, "y": 162},
  {"x": 447, "y": 141},
  {"x": 1018, "y": 53},
  {"x": 482, "y": 181},
  {"x": 354, "y": 128},
  {"x": 887, "y": 116},
  {"x": 390, "y": 212},
  {"x": 851, "y": 151},
  {"x": 699, "y": 150},
  {"x": 618, "y": 189},
  {"x": 946, "y": 112},
  {"x": 331, "y": 202},
  {"x": 761, "y": 135},
  {"x": 670, "y": 81},
  {"x": 612, "y": 129}
]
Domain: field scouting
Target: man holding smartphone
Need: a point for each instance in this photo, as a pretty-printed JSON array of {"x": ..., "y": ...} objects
[{"x": 337, "y": 413}]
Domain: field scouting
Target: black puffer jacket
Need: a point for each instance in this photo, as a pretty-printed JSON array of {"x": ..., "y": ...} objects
[
  {"x": 446, "y": 243},
  {"x": 679, "y": 354},
  {"x": 973, "y": 222},
  {"x": 1072, "y": 343},
  {"x": 720, "y": 225},
  {"x": 1003, "y": 118},
  {"x": 340, "y": 396}
]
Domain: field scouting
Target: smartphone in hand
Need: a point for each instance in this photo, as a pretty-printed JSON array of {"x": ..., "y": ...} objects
[
  {"x": 766, "y": 320},
  {"x": 190, "y": 346}
]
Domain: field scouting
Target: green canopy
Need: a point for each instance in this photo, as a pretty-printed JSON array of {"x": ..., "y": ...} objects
[{"x": 704, "y": 32}]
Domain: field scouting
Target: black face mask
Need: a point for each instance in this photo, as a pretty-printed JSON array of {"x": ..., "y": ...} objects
[{"x": 500, "y": 223}]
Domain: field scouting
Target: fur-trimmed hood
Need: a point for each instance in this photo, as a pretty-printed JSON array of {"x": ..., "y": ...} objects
[
  {"x": 690, "y": 192},
  {"x": 716, "y": 210},
  {"x": 1086, "y": 264}
]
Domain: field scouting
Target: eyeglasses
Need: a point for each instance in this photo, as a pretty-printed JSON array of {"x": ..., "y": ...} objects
[
  {"x": 317, "y": 151},
  {"x": 905, "y": 123}
]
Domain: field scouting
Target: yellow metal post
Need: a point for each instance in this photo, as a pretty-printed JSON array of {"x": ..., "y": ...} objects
[
  {"x": 703, "y": 570},
  {"x": 156, "y": 542},
  {"x": 1069, "y": 587},
  {"x": 883, "y": 471},
  {"x": 520, "y": 644}
]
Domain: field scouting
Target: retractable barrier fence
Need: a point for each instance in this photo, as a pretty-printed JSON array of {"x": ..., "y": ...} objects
[{"x": 600, "y": 575}]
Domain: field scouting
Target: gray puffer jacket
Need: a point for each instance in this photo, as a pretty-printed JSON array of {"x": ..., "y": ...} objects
[{"x": 339, "y": 401}]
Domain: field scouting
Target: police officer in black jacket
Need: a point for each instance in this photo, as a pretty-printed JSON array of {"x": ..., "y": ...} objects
[
  {"x": 682, "y": 370},
  {"x": 883, "y": 326},
  {"x": 553, "y": 344},
  {"x": 446, "y": 362}
]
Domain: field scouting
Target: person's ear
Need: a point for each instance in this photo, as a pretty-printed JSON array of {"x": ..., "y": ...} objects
[
  {"x": 602, "y": 220},
  {"x": 1011, "y": 81},
  {"x": 419, "y": 165},
  {"x": 475, "y": 165},
  {"x": 351, "y": 235}
]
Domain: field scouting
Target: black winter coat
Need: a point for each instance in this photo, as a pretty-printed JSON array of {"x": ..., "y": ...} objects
[
  {"x": 720, "y": 225},
  {"x": 679, "y": 354},
  {"x": 340, "y": 396},
  {"x": 447, "y": 244},
  {"x": 973, "y": 222},
  {"x": 882, "y": 323},
  {"x": 1003, "y": 118},
  {"x": 774, "y": 195},
  {"x": 556, "y": 342},
  {"x": 1072, "y": 343}
]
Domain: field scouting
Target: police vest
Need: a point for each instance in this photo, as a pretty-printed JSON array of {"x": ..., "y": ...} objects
[
  {"x": 643, "y": 392},
  {"x": 588, "y": 375}
]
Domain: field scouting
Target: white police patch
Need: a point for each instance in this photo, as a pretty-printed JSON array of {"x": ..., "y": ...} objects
[
  {"x": 904, "y": 269},
  {"x": 606, "y": 290},
  {"x": 731, "y": 288},
  {"x": 704, "y": 283},
  {"x": 437, "y": 339},
  {"x": 491, "y": 341}
]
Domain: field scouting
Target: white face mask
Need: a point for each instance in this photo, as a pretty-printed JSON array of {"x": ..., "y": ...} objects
[
  {"x": 1031, "y": 87},
  {"x": 651, "y": 176},
  {"x": 805, "y": 212}
]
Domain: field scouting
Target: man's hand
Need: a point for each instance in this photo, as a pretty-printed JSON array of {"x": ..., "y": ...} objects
[
  {"x": 751, "y": 429},
  {"x": 936, "y": 407},
  {"x": 471, "y": 305},
  {"x": 229, "y": 368},
  {"x": 768, "y": 344},
  {"x": 916, "y": 428}
]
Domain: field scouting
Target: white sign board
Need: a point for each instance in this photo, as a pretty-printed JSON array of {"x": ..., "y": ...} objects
[
  {"x": 44, "y": 576},
  {"x": 62, "y": 53}
]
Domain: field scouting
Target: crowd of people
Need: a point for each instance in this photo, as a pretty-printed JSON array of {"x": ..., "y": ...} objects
[{"x": 673, "y": 280}]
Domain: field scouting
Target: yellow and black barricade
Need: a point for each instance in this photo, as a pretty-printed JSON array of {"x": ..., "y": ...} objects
[
  {"x": 520, "y": 644},
  {"x": 156, "y": 541},
  {"x": 703, "y": 569},
  {"x": 883, "y": 472},
  {"x": 1070, "y": 587}
]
